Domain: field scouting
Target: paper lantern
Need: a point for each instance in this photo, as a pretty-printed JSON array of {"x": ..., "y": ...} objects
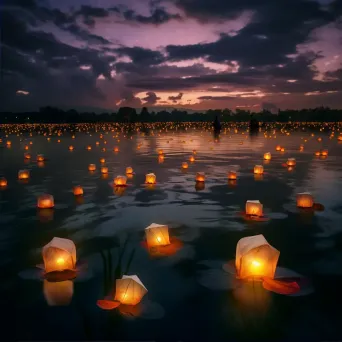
[
  {"x": 88, "y": 148},
  {"x": 160, "y": 152},
  {"x": 200, "y": 177},
  {"x": 305, "y": 200},
  {"x": 24, "y": 174},
  {"x": 129, "y": 170},
  {"x": 267, "y": 156},
  {"x": 58, "y": 293},
  {"x": 324, "y": 153},
  {"x": 291, "y": 162},
  {"x": 185, "y": 165},
  {"x": 92, "y": 167},
  {"x": 150, "y": 178},
  {"x": 3, "y": 182},
  {"x": 104, "y": 169},
  {"x": 8, "y": 143},
  {"x": 161, "y": 158},
  {"x": 102, "y": 160},
  {"x": 282, "y": 149},
  {"x": 255, "y": 258},
  {"x": 78, "y": 190},
  {"x": 129, "y": 290},
  {"x": 59, "y": 255},
  {"x": 232, "y": 175},
  {"x": 339, "y": 138},
  {"x": 40, "y": 158},
  {"x": 192, "y": 159},
  {"x": 258, "y": 169},
  {"x": 116, "y": 149},
  {"x": 317, "y": 153},
  {"x": 26, "y": 147},
  {"x": 71, "y": 148},
  {"x": 278, "y": 148},
  {"x": 301, "y": 148},
  {"x": 120, "y": 181},
  {"x": 45, "y": 202},
  {"x": 27, "y": 156},
  {"x": 157, "y": 235},
  {"x": 254, "y": 208}
]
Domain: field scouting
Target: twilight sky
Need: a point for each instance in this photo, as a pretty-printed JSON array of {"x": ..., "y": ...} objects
[{"x": 197, "y": 54}]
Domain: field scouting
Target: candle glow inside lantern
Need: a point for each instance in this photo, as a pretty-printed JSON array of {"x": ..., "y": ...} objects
[
  {"x": 129, "y": 290},
  {"x": 255, "y": 258},
  {"x": 45, "y": 202},
  {"x": 232, "y": 175},
  {"x": 200, "y": 177},
  {"x": 129, "y": 170},
  {"x": 92, "y": 167},
  {"x": 254, "y": 208},
  {"x": 78, "y": 190},
  {"x": 150, "y": 178},
  {"x": 59, "y": 255},
  {"x": 24, "y": 174},
  {"x": 185, "y": 165},
  {"x": 258, "y": 169},
  {"x": 40, "y": 158},
  {"x": 291, "y": 162},
  {"x": 267, "y": 156},
  {"x": 305, "y": 200},
  {"x": 120, "y": 181},
  {"x": 157, "y": 235}
]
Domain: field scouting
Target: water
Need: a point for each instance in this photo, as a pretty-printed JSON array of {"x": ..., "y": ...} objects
[{"x": 190, "y": 295}]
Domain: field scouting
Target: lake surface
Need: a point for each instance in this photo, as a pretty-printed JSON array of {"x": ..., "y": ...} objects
[{"x": 190, "y": 295}]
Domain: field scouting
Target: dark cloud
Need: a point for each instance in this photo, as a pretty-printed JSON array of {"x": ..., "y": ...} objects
[
  {"x": 141, "y": 56},
  {"x": 129, "y": 100},
  {"x": 151, "y": 98},
  {"x": 174, "y": 99},
  {"x": 217, "y": 98}
]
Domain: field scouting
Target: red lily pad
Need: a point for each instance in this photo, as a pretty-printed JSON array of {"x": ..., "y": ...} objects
[
  {"x": 318, "y": 207},
  {"x": 107, "y": 304},
  {"x": 284, "y": 287}
]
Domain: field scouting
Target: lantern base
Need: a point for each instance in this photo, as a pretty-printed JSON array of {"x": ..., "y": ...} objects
[
  {"x": 56, "y": 276},
  {"x": 254, "y": 217},
  {"x": 163, "y": 251}
]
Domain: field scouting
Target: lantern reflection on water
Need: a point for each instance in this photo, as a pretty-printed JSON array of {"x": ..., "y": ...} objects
[
  {"x": 157, "y": 235},
  {"x": 255, "y": 258},
  {"x": 254, "y": 208},
  {"x": 58, "y": 293},
  {"x": 305, "y": 200},
  {"x": 59, "y": 255},
  {"x": 129, "y": 290}
]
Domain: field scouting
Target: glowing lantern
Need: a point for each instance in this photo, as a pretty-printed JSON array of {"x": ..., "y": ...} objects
[
  {"x": 129, "y": 170},
  {"x": 319, "y": 139},
  {"x": 185, "y": 165},
  {"x": 88, "y": 148},
  {"x": 317, "y": 153},
  {"x": 45, "y": 202},
  {"x": 161, "y": 158},
  {"x": 282, "y": 149},
  {"x": 267, "y": 156},
  {"x": 339, "y": 138},
  {"x": 78, "y": 190},
  {"x": 27, "y": 156},
  {"x": 129, "y": 290},
  {"x": 150, "y": 178},
  {"x": 192, "y": 159},
  {"x": 305, "y": 200},
  {"x": 40, "y": 158},
  {"x": 71, "y": 148},
  {"x": 8, "y": 143},
  {"x": 255, "y": 258},
  {"x": 26, "y": 147},
  {"x": 102, "y": 160},
  {"x": 58, "y": 293},
  {"x": 232, "y": 175},
  {"x": 157, "y": 235},
  {"x": 92, "y": 167},
  {"x": 3, "y": 182},
  {"x": 278, "y": 148},
  {"x": 120, "y": 181},
  {"x": 160, "y": 152},
  {"x": 200, "y": 177},
  {"x": 291, "y": 162},
  {"x": 59, "y": 255},
  {"x": 104, "y": 169},
  {"x": 116, "y": 149},
  {"x": 24, "y": 174},
  {"x": 254, "y": 208},
  {"x": 324, "y": 153},
  {"x": 258, "y": 169},
  {"x": 301, "y": 148}
]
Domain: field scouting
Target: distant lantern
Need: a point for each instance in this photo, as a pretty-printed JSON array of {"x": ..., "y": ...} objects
[
  {"x": 8, "y": 143},
  {"x": 24, "y": 174},
  {"x": 27, "y": 156},
  {"x": 129, "y": 290},
  {"x": 291, "y": 162},
  {"x": 200, "y": 177},
  {"x": 317, "y": 153},
  {"x": 104, "y": 169},
  {"x": 150, "y": 178},
  {"x": 71, "y": 148},
  {"x": 194, "y": 152},
  {"x": 278, "y": 148},
  {"x": 3, "y": 182},
  {"x": 89, "y": 148},
  {"x": 78, "y": 190},
  {"x": 160, "y": 151},
  {"x": 120, "y": 181},
  {"x": 282, "y": 149},
  {"x": 185, "y": 165},
  {"x": 267, "y": 156},
  {"x": 339, "y": 138},
  {"x": 40, "y": 158},
  {"x": 45, "y": 202},
  {"x": 258, "y": 169},
  {"x": 305, "y": 200},
  {"x": 161, "y": 158},
  {"x": 92, "y": 167},
  {"x": 324, "y": 153},
  {"x": 102, "y": 160},
  {"x": 192, "y": 159},
  {"x": 157, "y": 235},
  {"x": 116, "y": 149},
  {"x": 26, "y": 147},
  {"x": 232, "y": 175},
  {"x": 129, "y": 170},
  {"x": 255, "y": 258},
  {"x": 58, "y": 293},
  {"x": 319, "y": 139},
  {"x": 301, "y": 148},
  {"x": 59, "y": 255},
  {"x": 254, "y": 208}
]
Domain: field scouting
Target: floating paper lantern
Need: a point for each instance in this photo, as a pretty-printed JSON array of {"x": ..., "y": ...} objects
[
  {"x": 129, "y": 290},
  {"x": 282, "y": 149},
  {"x": 129, "y": 170},
  {"x": 59, "y": 255},
  {"x": 254, "y": 208},
  {"x": 116, "y": 149},
  {"x": 78, "y": 190},
  {"x": 291, "y": 162},
  {"x": 8, "y": 143},
  {"x": 192, "y": 159},
  {"x": 40, "y": 158},
  {"x": 160, "y": 152},
  {"x": 194, "y": 152},
  {"x": 157, "y": 235},
  {"x": 104, "y": 169},
  {"x": 89, "y": 148},
  {"x": 27, "y": 156},
  {"x": 24, "y": 174},
  {"x": 200, "y": 177},
  {"x": 278, "y": 148},
  {"x": 120, "y": 181},
  {"x": 161, "y": 158},
  {"x": 258, "y": 169},
  {"x": 255, "y": 258},
  {"x": 71, "y": 148},
  {"x": 339, "y": 138},
  {"x": 26, "y": 147},
  {"x": 102, "y": 160},
  {"x": 324, "y": 153},
  {"x": 92, "y": 167},
  {"x": 58, "y": 293},
  {"x": 267, "y": 156},
  {"x": 301, "y": 148},
  {"x": 232, "y": 175},
  {"x": 305, "y": 200},
  {"x": 317, "y": 153},
  {"x": 45, "y": 201},
  {"x": 185, "y": 165},
  {"x": 150, "y": 178},
  {"x": 3, "y": 182}
]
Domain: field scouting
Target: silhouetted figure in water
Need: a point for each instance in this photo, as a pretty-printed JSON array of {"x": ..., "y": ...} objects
[
  {"x": 217, "y": 126},
  {"x": 253, "y": 124}
]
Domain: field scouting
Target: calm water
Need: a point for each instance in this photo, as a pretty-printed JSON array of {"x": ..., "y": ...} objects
[{"x": 191, "y": 297}]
